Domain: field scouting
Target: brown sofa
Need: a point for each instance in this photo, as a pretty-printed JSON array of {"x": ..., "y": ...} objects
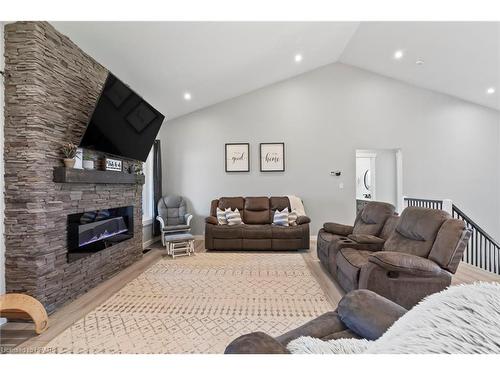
[
  {"x": 257, "y": 232},
  {"x": 360, "y": 314},
  {"x": 418, "y": 258}
]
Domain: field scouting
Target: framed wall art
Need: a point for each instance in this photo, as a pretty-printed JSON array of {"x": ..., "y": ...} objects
[
  {"x": 272, "y": 157},
  {"x": 237, "y": 157}
]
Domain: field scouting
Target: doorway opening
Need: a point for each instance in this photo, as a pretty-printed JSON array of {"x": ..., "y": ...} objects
[{"x": 379, "y": 177}]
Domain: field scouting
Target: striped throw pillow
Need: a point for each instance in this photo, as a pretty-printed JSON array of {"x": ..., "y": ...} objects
[
  {"x": 292, "y": 218},
  {"x": 221, "y": 216},
  {"x": 281, "y": 218},
  {"x": 233, "y": 217}
]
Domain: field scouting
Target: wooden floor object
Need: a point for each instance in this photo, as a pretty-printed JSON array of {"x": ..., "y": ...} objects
[{"x": 16, "y": 306}]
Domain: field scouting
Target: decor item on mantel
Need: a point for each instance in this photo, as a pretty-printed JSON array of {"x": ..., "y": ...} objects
[
  {"x": 272, "y": 157},
  {"x": 88, "y": 161},
  {"x": 69, "y": 151},
  {"x": 112, "y": 165},
  {"x": 237, "y": 157}
]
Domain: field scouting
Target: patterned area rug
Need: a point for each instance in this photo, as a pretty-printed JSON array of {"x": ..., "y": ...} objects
[{"x": 199, "y": 304}]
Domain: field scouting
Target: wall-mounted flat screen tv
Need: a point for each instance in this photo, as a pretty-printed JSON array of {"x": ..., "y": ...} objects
[{"x": 123, "y": 123}]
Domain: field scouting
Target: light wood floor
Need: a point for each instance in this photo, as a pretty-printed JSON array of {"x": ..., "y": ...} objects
[{"x": 21, "y": 335}]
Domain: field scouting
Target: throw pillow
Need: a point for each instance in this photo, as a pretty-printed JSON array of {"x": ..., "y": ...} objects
[
  {"x": 221, "y": 216},
  {"x": 281, "y": 218},
  {"x": 233, "y": 217},
  {"x": 292, "y": 218}
]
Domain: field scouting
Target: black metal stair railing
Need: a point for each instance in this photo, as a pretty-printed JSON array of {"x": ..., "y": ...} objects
[{"x": 482, "y": 250}]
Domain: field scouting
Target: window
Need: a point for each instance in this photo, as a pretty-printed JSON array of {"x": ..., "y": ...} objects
[{"x": 147, "y": 191}]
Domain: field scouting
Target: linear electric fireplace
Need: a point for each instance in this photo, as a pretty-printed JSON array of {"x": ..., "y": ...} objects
[{"x": 93, "y": 231}]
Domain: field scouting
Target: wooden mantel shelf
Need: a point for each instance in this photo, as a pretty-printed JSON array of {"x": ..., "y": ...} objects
[{"x": 94, "y": 176}]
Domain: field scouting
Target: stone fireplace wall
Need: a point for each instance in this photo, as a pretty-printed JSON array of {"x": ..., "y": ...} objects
[{"x": 51, "y": 87}]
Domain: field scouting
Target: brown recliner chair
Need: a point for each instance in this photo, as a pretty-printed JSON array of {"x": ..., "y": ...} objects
[
  {"x": 373, "y": 225},
  {"x": 417, "y": 259},
  {"x": 360, "y": 314}
]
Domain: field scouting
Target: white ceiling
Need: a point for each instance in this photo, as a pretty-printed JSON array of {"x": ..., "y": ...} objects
[
  {"x": 460, "y": 58},
  {"x": 215, "y": 61}
]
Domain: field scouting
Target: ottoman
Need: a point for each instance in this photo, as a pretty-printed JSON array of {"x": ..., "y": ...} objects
[{"x": 179, "y": 244}]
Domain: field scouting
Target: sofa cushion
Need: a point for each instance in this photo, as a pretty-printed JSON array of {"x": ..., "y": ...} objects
[
  {"x": 349, "y": 263},
  {"x": 233, "y": 217},
  {"x": 372, "y": 218},
  {"x": 256, "y": 210},
  {"x": 232, "y": 203},
  {"x": 281, "y": 218},
  {"x": 450, "y": 244},
  {"x": 279, "y": 203},
  {"x": 416, "y": 231},
  {"x": 225, "y": 231},
  {"x": 221, "y": 216},
  {"x": 257, "y": 231},
  {"x": 287, "y": 232}
]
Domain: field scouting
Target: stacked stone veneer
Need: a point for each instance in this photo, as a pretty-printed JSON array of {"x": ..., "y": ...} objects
[{"x": 51, "y": 87}]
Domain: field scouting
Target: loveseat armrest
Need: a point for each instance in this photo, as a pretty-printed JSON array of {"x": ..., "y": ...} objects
[
  {"x": 303, "y": 220},
  {"x": 368, "y": 314},
  {"x": 339, "y": 229},
  {"x": 405, "y": 263},
  {"x": 255, "y": 343},
  {"x": 211, "y": 220},
  {"x": 187, "y": 218}
]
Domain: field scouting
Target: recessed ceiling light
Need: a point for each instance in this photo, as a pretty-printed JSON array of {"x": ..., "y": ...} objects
[
  {"x": 298, "y": 58},
  {"x": 420, "y": 62},
  {"x": 491, "y": 90},
  {"x": 398, "y": 54},
  {"x": 187, "y": 96}
]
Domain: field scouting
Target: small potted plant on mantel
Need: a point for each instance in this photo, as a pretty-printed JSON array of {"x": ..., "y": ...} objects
[
  {"x": 88, "y": 161},
  {"x": 69, "y": 152}
]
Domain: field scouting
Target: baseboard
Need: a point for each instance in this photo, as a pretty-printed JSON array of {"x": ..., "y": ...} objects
[{"x": 150, "y": 242}]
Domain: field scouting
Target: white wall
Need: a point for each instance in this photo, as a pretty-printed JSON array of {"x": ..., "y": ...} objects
[
  {"x": 2, "y": 206},
  {"x": 323, "y": 116}
]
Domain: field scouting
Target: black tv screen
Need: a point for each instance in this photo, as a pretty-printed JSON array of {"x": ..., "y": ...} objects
[{"x": 122, "y": 124}]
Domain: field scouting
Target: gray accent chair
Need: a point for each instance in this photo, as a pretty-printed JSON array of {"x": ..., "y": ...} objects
[{"x": 173, "y": 216}]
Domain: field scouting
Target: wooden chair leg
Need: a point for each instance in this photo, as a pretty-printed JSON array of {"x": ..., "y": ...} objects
[{"x": 22, "y": 306}]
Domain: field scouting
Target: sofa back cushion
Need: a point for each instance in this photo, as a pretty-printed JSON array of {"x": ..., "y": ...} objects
[
  {"x": 256, "y": 210},
  {"x": 450, "y": 244},
  {"x": 232, "y": 203},
  {"x": 416, "y": 231},
  {"x": 390, "y": 226},
  {"x": 372, "y": 217}
]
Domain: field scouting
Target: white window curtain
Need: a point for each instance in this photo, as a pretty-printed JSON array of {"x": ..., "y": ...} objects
[{"x": 147, "y": 191}]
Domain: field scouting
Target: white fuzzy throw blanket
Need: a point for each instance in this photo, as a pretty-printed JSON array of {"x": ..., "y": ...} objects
[{"x": 463, "y": 319}]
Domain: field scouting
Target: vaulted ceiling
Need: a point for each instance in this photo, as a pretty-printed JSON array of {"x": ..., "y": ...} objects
[{"x": 216, "y": 61}]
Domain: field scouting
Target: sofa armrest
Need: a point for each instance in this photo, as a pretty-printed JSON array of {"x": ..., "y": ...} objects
[
  {"x": 188, "y": 218},
  {"x": 162, "y": 222},
  {"x": 255, "y": 343},
  {"x": 366, "y": 239},
  {"x": 406, "y": 263},
  {"x": 367, "y": 314},
  {"x": 322, "y": 326},
  {"x": 211, "y": 220},
  {"x": 339, "y": 229},
  {"x": 303, "y": 220}
]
